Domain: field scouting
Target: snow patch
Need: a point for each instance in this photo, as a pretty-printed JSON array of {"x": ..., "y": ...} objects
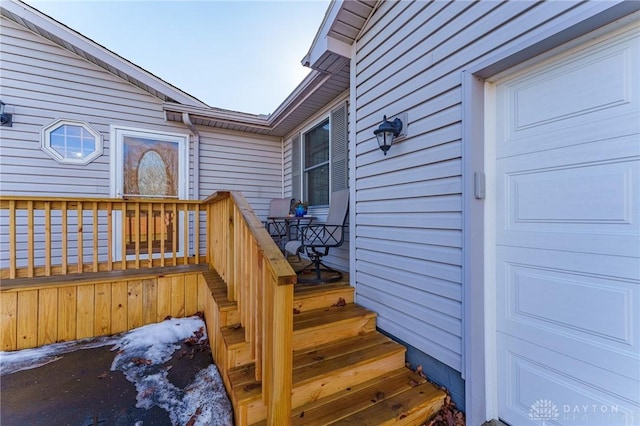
[
  {"x": 140, "y": 355},
  {"x": 26, "y": 359}
]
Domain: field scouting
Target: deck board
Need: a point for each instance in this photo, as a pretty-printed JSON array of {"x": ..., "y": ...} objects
[{"x": 98, "y": 277}]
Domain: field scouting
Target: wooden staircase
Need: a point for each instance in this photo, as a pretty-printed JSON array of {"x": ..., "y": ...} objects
[{"x": 344, "y": 371}]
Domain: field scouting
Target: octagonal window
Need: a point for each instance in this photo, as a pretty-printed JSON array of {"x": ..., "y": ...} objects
[{"x": 71, "y": 142}]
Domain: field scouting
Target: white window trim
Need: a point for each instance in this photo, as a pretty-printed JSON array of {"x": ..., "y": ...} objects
[
  {"x": 304, "y": 169},
  {"x": 45, "y": 142},
  {"x": 319, "y": 119},
  {"x": 117, "y": 134}
]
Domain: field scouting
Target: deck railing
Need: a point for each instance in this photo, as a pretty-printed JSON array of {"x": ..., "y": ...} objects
[
  {"x": 59, "y": 236},
  {"x": 261, "y": 281},
  {"x": 45, "y": 237}
]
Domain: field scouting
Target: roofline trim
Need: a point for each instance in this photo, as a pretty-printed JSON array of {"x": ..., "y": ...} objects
[
  {"x": 91, "y": 48},
  {"x": 314, "y": 81}
]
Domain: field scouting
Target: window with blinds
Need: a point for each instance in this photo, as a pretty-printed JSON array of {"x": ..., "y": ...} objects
[
  {"x": 319, "y": 159},
  {"x": 316, "y": 165}
]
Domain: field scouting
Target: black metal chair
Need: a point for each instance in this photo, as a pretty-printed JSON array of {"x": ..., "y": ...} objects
[
  {"x": 276, "y": 226},
  {"x": 317, "y": 239}
]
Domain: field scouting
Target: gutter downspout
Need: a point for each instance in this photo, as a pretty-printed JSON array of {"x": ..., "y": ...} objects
[
  {"x": 196, "y": 154},
  {"x": 196, "y": 164}
]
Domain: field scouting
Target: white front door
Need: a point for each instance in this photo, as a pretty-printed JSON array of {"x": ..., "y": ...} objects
[{"x": 567, "y": 251}]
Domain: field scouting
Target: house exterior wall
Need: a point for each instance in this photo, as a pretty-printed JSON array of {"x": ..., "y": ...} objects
[
  {"x": 241, "y": 162},
  {"x": 408, "y": 234},
  {"x": 42, "y": 82},
  {"x": 338, "y": 257}
]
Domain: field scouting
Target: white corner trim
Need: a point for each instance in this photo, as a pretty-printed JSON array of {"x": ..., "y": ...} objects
[{"x": 351, "y": 153}]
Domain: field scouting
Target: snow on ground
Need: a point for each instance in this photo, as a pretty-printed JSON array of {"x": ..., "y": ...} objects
[
  {"x": 11, "y": 362},
  {"x": 140, "y": 355}
]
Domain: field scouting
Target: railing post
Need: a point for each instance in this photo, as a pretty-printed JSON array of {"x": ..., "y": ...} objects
[
  {"x": 231, "y": 249},
  {"x": 278, "y": 365}
]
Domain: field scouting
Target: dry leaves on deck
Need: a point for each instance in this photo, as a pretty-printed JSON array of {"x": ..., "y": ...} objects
[{"x": 448, "y": 415}]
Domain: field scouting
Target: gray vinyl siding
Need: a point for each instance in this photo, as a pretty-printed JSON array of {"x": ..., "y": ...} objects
[
  {"x": 408, "y": 254},
  {"x": 42, "y": 82},
  {"x": 241, "y": 162}
]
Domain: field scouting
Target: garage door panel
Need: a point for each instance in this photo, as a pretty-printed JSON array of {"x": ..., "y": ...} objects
[
  {"x": 565, "y": 385},
  {"x": 589, "y": 317},
  {"x": 620, "y": 125},
  {"x": 585, "y": 205},
  {"x": 597, "y": 244},
  {"x": 600, "y": 193},
  {"x": 587, "y": 89},
  {"x": 582, "y": 264}
]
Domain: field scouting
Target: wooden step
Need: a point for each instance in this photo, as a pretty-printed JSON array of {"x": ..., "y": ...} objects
[
  {"x": 320, "y": 372},
  {"x": 321, "y": 326},
  {"x": 308, "y": 297},
  {"x": 218, "y": 289},
  {"x": 237, "y": 350},
  {"x": 405, "y": 397},
  {"x": 310, "y": 329}
]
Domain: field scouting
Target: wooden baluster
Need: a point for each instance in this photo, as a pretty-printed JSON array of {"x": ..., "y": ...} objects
[
  {"x": 47, "y": 238},
  {"x": 123, "y": 235},
  {"x": 12, "y": 240},
  {"x": 149, "y": 234},
  {"x": 30, "y": 240},
  {"x": 163, "y": 232},
  {"x": 80, "y": 225},
  {"x": 251, "y": 290},
  {"x": 185, "y": 234},
  {"x": 137, "y": 224},
  {"x": 257, "y": 317},
  {"x": 95, "y": 236},
  {"x": 174, "y": 229},
  {"x": 65, "y": 239},
  {"x": 110, "y": 236},
  {"x": 196, "y": 234},
  {"x": 230, "y": 249}
]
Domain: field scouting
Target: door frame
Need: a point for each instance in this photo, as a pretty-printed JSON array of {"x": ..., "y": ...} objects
[
  {"x": 478, "y": 150},
  {"x": 116, "y": 137}
]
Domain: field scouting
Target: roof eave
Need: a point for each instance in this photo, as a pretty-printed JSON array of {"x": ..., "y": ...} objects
[{"x": 71, "y": 40}]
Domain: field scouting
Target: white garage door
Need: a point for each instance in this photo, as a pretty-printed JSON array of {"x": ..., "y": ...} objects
[{"x": 568, "y": 237}]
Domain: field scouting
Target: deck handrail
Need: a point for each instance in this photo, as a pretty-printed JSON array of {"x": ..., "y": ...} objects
[
  {"x": 85, "y": 228},
  {"x": 261, "y": 281},
  {"x": 64, "y": 236}
]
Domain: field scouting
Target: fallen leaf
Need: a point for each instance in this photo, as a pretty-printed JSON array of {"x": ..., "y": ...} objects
[{"x": 340, "y": 303}]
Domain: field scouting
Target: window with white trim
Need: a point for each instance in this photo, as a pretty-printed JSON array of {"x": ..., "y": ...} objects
[
  {"x": 316, "y": 165},
  {"x": 71, "y": 142},
  {"x": 319, "y": 159}
]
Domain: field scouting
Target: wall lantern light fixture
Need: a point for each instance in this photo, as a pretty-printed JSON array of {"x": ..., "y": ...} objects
[
  {"x": 390, "y": 130},
  {"x": 5, "y": 119}
]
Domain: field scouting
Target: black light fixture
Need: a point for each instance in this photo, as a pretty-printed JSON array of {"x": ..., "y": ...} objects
[
  {"x": 387, "y": 132},
  {"x": 5, "y": 119}
]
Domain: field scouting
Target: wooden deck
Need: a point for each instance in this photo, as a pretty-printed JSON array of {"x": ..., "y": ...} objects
[{"x": 289, "y": 353}]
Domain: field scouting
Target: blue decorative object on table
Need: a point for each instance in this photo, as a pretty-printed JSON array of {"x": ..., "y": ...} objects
[{"x": 299, "y": 211}]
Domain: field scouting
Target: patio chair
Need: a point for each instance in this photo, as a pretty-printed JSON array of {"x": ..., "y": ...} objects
[
  {"x": 277, "y": 228},
  {"x": 317, "y": 239}
]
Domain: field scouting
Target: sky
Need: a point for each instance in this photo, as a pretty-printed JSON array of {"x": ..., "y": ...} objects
[{"x": 238, "y": 55}]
